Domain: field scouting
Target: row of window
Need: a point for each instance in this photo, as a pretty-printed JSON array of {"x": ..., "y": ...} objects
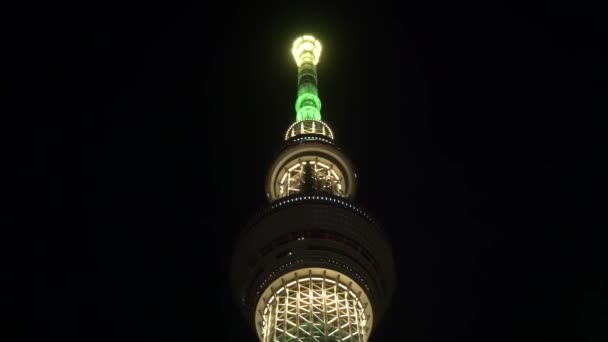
[{"x": 319, "y": 235}]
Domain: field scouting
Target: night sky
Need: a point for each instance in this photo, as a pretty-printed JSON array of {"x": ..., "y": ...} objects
[{"x": 151, "y": 127}]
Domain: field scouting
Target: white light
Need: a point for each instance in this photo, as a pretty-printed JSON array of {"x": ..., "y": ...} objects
[{"x": 306, "y": 49}]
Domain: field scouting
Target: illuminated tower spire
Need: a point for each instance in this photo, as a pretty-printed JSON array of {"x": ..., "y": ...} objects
[
  {"x": 313, "y": 265},
  {"x": 306, "y": 51}
]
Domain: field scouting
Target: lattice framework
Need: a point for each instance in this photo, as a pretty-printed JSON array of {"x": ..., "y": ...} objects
[
  {"x": 324, "y": 176},
  {"x": 314, "y": 308}
]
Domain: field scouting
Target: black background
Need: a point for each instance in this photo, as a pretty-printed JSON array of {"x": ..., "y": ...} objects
[{"x": 150, "y": 127}]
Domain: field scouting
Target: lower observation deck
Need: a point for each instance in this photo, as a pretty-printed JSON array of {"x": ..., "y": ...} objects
[{"x": 324, "y": 234}]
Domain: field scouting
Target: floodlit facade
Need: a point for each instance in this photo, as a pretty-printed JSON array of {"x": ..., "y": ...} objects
[{"x": 313, "y": 265}]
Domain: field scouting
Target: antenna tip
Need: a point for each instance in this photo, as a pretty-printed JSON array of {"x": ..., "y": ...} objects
[{"x": 306, "y": 49}]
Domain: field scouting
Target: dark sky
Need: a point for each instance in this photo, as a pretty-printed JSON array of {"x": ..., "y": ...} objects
[{"x": 152, "y": 126}]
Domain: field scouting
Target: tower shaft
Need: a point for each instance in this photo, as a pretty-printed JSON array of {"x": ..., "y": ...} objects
[
  {"x": 306, "y": 51},
  {"x": 308, "y": 103}
]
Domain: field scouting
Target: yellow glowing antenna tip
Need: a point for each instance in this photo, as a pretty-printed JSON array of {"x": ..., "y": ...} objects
[{"x": 306, "y": 49}]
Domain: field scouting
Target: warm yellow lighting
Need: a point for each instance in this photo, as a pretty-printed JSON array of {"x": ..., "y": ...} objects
[
  {"x": 328, "y": 177},
  {"x": 306, "y": 49},
  {"x": 314, "y": 305},
  {"x": 309, "y": 127}
]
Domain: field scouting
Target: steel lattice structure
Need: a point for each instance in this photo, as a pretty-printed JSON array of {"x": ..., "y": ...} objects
[
  {"x": 314, "y": 305},
  {"x": 313, "y": 266}
]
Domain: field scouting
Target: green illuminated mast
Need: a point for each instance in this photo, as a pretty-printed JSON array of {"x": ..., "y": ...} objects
[{"x": 306, "y": 51}]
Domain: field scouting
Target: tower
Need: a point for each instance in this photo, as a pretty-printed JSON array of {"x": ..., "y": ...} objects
[{"x": 312, "y": 265}]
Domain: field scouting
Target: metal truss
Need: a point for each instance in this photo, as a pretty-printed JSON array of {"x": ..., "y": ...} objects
[{"x": 313, "y": 308}]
